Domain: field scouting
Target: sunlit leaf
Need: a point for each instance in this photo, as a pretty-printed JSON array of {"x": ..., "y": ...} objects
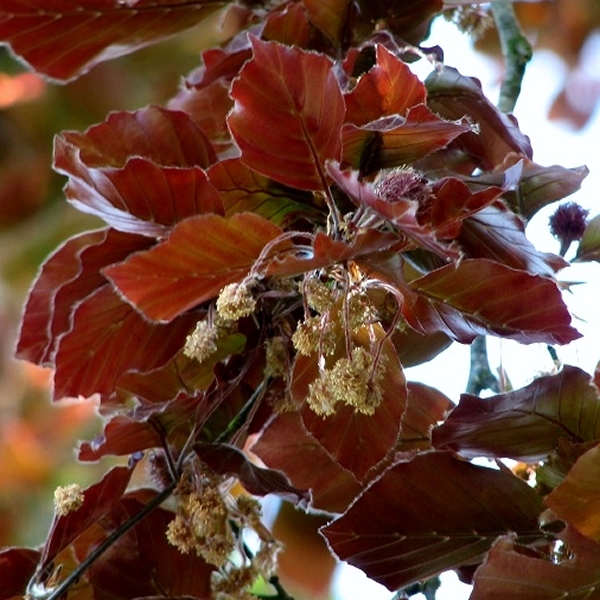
[
  {"x": 143, "y": 197},
  {"x": 525, "y": 424},
  {"x": 388, "y": 88},
  {"x": 106, "y": 339},
  {"x": 452, "y": 96},
  {"x": 64, "y": 40},
  {"x": 167, "y": 137},
  {"x": 228, "y": 460},
  {"x": 286, "y": 445},
  {"x": 577, "y": 499},
  {"x": 99, "y": 499},
  {"x": 589, "y": 246},
  {"x": 288, "y": 114},
  {"x": 201, "y": 256},
  {"x": 431, "y": 514}
]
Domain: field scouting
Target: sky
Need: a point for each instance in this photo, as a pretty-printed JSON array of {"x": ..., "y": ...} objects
[{"x": 553, "y": 143}]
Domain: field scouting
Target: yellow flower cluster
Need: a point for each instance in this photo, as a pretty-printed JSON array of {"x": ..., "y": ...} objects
[
  {"x": 235, "y": 301},
  {"x": 201, "y": 343},
  {"x": 314, "y": 335},
  {"x": 68, "y": 498},
  {"x": 355, "y": 382}
]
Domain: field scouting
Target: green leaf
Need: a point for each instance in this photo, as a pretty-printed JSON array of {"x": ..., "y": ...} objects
[{"x": 589, "y": 246}]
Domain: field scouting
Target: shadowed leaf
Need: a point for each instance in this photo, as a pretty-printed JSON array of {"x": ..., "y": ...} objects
[
  {"x": 201, "y": 256},
  {"x": 431, "y": 514},
  {"x": 589, "y": 246},
  {"x": 329, "y": 16},
  {"x": 228, "y": 460},
  {"x": 64, "y": 40},
  {"x": 286, "y": 445},
  {"x": 17, "y": 566},
  {"x": 525, "y": 424},
  {"x": 288, "y": 114}
]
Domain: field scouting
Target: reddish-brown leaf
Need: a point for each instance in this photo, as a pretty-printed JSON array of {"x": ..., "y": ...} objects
[
  {"x": 431, "y": 514},
  {"x": 228, "y": 460},
  {"x": 288, "y": 114},
  {"x": 289, "y": 25},
  {"x": 355, "y": 440},
  {"x": 99, "y": 499},
  {"x": 143, "y": 563},
  {"x": 143, "y": 197},
  {"x": 499, "y": 234},
  {"x": 480, "y": 296},
  {"x": 395, "y": 140},
  {"x": 286, "y": 445},
  {"x": 388, "y": 88},
  {"x": 201, "y": 256},
  {"x": 329, "y": 16},
  {"x": 245, "y": 190},
  {"x": 17, "y": 566},
  {"x": 65, "y": 39},
  {"x": 525, "y": 424},
  {"x": 121, "y": 436},
  {"x": 452, "y": 96},
  {"x": 108, "y": 338},
  {"x": 167, "y": 137},
  {"x": 70, "y": 274},
  {"x": 512, "y": 571},
  {"x": 577, "y": 499}
]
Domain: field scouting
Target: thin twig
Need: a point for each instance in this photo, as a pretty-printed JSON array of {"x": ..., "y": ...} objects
[
  {"x": 480, "y": 374},
  {"x": 516, "y": 51}
]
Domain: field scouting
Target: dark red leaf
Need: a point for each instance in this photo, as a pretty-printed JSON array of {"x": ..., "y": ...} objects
[
  {"x": 228, "y": 460},
  {"x": 245, "y": 190},
  {"x": 288, "y": 114},
  {"x": 121, "y": 436},
  {"x": 388, "y": 88},
  {"x": 512, "y": 571},
  {"x": 329, "y": 16},
  {"x": 395, "y": 141},
  {"x": 452, "y": 96},
  {"x": 64, "y": 40},
  {"x": 480, "y": 296},
  {"x": 108, "y": 338},
  {"x": 355, "y": 440},
  {"x": 286, "y": 445},
  {"x": 17, "y": 566},
  {"x": 99, "y": 499},
  {"x": 431, "y": 514},
  {"x": 499, "y": 234},
  {"x": 201, "y": 256},
  {"x": 289, "y": 25},
  {"x": 167, "y": 137},
  {"x": 525, "y": 424},
  {"x": 70, "y": 274},
  {"x": 142, "y": 562}
]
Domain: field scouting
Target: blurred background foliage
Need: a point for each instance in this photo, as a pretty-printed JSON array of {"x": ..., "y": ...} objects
[{"x": 37, "y": 438}]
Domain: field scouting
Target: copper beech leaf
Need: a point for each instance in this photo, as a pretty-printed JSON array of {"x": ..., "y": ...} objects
[
  {"x": 170, "y": 138},
  {"x": 577, "y": 499},
  {"x": 65, "y": 39},
  {"x": 452, "y": 96},
  {"x": 388, "y": 88},
  {"x": 142, "y": 563},
  {"x": 288, "y": 114},
  {"x": 286, "y": 445},
  {"x": 355, "y": 440},
  {"x": 99, "y": 499},
  {"x": 525, "y": 424},
  {"x": 329, "y": 16},
  {"x": 17, "y": 567},
  {"x": 68, "y": 275},
  {"x": 514, "y": 571},
  {"x": 431, "y": 514},
  {"x": 143, "y": 197},
  {"x": 201, "y": 256},
  {"x": 228, "y": 460},
  {"x": 480, "y": 296},
  {"x": 107, "y": 338}
]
